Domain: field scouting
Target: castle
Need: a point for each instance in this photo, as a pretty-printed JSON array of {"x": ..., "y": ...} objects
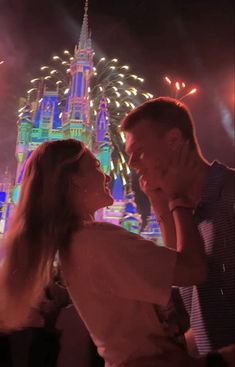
[{"x": 43, "y": 120}]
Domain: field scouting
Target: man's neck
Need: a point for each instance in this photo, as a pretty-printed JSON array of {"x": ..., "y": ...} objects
[{"x": 200, "y": 181}]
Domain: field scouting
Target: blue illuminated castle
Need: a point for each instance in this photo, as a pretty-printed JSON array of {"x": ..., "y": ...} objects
[{"x": 43, "y": 120}]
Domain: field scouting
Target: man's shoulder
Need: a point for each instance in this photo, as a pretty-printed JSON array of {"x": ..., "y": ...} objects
[
  {"x": 229, "y": 181},
  {"x": 225, "y": 175},
  {"x": 224, "y": 168}
]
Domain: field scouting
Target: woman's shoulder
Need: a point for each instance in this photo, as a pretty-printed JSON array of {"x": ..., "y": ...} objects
[
  {"x": 100, "y": 226},
  {"x": 94, "y": 232}
]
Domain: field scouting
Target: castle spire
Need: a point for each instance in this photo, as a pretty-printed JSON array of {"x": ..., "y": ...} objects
[
  {"x": 81, "y": 68},
  {"x": 84, "y": 36}
]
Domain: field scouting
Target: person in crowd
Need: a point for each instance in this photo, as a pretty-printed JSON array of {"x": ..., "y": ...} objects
[
  {"x": 5, "y": 351},
  {"x": 155, "y": 132},
  {"x": 45, "y": 336},
  {"x": 114, "y": 277}
]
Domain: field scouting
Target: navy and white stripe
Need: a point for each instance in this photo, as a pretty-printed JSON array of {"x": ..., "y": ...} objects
[{"x": 211, "y": 306}]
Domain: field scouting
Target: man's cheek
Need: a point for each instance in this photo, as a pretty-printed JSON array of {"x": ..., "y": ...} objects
[{"x": 149, "y": 162}]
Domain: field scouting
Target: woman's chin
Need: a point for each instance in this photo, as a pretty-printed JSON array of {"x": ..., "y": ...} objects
[{"x": 109, "y": 200}]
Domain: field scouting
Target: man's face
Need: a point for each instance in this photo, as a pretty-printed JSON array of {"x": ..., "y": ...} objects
[{"x": 147, "y": 149}]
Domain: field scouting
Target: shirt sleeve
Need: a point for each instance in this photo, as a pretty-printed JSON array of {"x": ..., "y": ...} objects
[{"x": 129, "y": 266}]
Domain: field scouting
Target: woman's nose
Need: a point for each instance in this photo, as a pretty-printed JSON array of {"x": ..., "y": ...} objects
[{"x": 108, "y": 178}]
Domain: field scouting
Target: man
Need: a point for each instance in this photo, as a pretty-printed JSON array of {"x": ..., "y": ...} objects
[{"x": 158, "y": 133}]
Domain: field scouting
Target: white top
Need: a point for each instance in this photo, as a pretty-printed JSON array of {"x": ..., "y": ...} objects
[{"x": 114, "y": 277}]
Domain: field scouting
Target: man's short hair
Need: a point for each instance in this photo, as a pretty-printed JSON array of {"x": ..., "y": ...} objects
[{"x": 165, "y": 113}]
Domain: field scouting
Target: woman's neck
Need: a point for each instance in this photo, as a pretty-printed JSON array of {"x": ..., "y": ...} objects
[{"x": 88, "y": 218}]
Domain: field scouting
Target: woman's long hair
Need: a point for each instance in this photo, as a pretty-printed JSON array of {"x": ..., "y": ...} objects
[{"x": 42, "y": 223}]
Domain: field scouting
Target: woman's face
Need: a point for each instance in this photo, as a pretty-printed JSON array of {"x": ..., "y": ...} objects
[{"x": 91, "y": 185}]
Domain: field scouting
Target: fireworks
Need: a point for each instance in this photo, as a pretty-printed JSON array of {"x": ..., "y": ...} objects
[
  {"x": 179, "y": 89},
  {"x": 112, "y": 80}
]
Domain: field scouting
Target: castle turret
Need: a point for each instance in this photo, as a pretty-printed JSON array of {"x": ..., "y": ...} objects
[
  {"x": 114, "y": 213},
  {"x": 46, "y": 123},
  {"x": 152, "y": 229}
]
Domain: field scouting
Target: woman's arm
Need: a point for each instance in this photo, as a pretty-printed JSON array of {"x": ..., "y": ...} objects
[
  {"x": 159, "y": 203},
  {"x": 180, "y": 233}
]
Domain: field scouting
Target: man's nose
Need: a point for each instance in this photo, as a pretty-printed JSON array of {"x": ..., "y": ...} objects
[{"x": 133, "y": 161}]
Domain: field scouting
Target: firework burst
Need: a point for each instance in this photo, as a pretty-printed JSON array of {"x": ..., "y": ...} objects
[{"x": 179, "y": 89}]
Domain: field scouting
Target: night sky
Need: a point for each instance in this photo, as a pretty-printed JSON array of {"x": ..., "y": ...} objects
[{"x": 189, "y": 40}]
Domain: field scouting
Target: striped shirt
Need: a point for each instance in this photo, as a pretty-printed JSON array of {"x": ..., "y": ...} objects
[{"x": 211, "y": 305}]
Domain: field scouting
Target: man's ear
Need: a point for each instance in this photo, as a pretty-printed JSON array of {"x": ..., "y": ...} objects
[{"x": 174, "y": 139}]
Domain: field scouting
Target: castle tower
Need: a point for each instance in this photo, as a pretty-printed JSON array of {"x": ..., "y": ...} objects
[
  {"x": 131, "y": 220},
  {"x": 77, "y": 125},
  {"x": 24, "y": 127},
  {"x": 104, "y": 154},
  {"x": 103, "y": 143},
  {"x": 5, "y": 202},
  {"x": 102, "y": 121}
]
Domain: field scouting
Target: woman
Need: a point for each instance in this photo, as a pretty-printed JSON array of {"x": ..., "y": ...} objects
[{"x": 113, "y": 276}]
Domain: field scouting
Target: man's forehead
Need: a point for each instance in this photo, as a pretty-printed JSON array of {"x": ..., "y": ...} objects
[
  {"x": 138, "y": 134},
  {"x": 132, "y": 142}
]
